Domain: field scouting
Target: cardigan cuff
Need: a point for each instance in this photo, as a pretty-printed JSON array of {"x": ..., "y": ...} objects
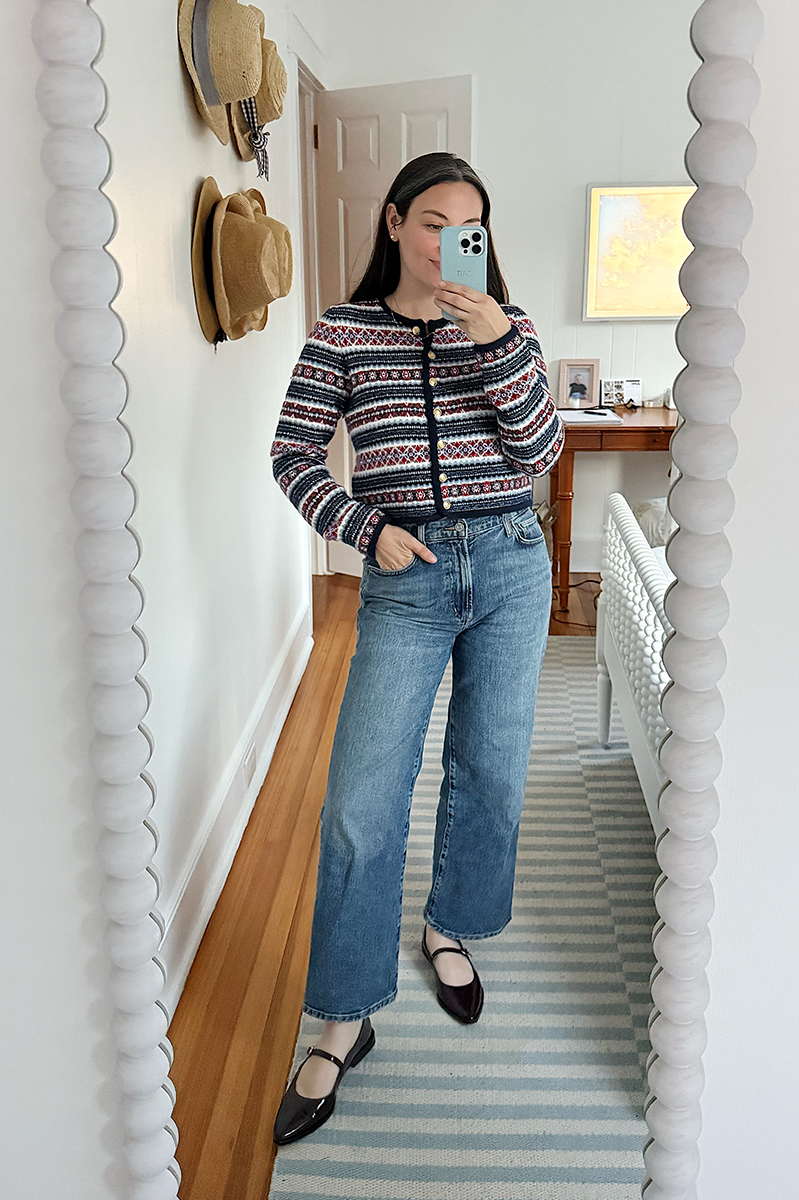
[
  {"x": 500, "y": 347},
  {"x": 378, "y": 529}
]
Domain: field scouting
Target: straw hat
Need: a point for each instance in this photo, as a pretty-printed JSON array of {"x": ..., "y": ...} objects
[
  {"x": 241, "y": 260},
  {"x": 268, "y": 98},
  {"x": 285, "y": 254},
  {"x": 201, "y": 269},
  {"x": 221, "y": 45},
  {"x": 245, "y": 267}
]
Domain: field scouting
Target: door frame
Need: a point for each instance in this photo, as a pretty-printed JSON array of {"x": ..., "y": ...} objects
[{"x": 307, "y": 87}]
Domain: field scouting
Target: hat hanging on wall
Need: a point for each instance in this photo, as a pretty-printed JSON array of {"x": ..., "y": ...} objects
[
  {"x": 241, "y": 260},
  {"x": 248, "y": 116},
  {"x": 221, "y": 45},
  {"x": 285, "y": 253}
]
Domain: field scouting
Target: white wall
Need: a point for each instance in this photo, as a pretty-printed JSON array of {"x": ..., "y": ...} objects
[
  {"x": 225, "y": 565},
  {"x": 567, "y": 95},
  {"x": 750, "y": 1146}
]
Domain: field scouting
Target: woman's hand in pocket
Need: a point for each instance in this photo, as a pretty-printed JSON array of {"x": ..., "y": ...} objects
[{"x": 396, "y": 547}]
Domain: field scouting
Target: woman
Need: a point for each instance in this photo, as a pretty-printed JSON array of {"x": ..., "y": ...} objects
[{"x": 450, "y": 421}]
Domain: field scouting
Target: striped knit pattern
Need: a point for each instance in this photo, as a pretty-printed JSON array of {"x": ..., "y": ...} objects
[
  {"x": 542, "y": 1098},
  {"x": 440, "y": 426}
]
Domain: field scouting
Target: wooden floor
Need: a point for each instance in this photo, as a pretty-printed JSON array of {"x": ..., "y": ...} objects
[
  {"x": 580, "y": 620},
  {"x": 237, "y": 1021}
]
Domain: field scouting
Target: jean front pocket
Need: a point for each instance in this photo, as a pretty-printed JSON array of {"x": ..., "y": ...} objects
[
  {"x": 374, "y": 569},
  {"x": 527, "y": 528}
]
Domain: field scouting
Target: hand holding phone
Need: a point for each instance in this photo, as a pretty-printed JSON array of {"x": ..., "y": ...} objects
[
  {"x": 464, "y": 255},
  {"x": 464, "y": 273}
]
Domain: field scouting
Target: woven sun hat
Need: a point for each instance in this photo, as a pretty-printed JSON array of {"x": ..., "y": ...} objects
[
  {"x": 267, "y": 102},
  {"x": 241, "y": 260},
  {"x": 201, "y": 268},
  {"x": 285, "y": 256},
  {"x": 221, "y": 45},
  {"x": 245, "y": 265}
]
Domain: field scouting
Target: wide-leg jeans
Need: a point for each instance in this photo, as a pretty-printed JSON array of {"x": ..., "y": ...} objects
[{"x": 486, "y": 603}]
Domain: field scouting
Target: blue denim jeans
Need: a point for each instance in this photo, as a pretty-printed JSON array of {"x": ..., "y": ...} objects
[{"x": 486, "y": 603}]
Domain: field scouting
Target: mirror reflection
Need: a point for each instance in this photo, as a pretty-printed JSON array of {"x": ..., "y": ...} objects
[{"x": 443, "y": 987}]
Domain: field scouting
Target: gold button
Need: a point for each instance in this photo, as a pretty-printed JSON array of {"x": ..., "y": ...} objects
[
  {"x": 440, "y": 445},
  {"x": 434, "y": 383},
  {"x": 416, "y": 329},
  {"x": 431, "y": 354},
  {"x": 442, "y": 477},
  {"x": 436, "y": 412},
  {"x": 446, "y": 504}
]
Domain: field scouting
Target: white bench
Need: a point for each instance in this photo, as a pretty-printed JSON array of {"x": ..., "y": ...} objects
[{"x": 631, "y": 629}]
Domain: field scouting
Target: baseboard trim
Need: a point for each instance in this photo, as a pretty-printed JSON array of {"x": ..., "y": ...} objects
[{"x": 197, "y": 891}]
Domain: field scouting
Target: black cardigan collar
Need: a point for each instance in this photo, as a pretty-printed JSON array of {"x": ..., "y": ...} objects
[{"x": 428, "y": 326}]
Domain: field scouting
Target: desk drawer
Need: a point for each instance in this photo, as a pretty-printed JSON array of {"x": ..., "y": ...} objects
[
  {"x": 636, "y": 439},
  {"x": 578, "y": 438}
]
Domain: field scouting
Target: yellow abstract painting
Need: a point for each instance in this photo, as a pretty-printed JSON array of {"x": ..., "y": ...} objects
[{"x": 636, "y": 246}]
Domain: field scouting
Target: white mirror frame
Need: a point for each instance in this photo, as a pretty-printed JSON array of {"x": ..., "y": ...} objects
[
  {"x": 719, "y": 157},
  {"x": 77, "y": 161}
]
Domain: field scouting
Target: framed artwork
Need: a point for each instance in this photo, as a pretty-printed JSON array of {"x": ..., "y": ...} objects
[
  {"x": 578, "y": 383},
  {"x": 635, "y": 246}
]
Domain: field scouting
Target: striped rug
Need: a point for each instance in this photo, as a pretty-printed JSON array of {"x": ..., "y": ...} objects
[{"x": 542, "y": 1098}]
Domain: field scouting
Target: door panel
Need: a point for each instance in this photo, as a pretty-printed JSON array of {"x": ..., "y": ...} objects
[
  {"x": 357, "y": 141},
  {"x": 357, "y": 217},
  {"x": 366, "y": 135},
  {"x": 424, "y": 132}
]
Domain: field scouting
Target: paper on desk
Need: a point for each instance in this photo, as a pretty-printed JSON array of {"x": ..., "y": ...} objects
[{"x": 576, "y": 416}]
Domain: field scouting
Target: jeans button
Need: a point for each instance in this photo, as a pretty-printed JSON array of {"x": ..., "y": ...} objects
[{"x": 461, "y": 528}]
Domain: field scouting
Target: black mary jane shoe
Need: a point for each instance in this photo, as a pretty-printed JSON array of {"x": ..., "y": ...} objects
[
  {"x": 464, "y": 1003},
  {"x": 299, "y": 1115}
]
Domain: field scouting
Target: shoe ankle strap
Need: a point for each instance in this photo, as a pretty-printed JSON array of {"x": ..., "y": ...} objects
[
  {"x": 451, "y": 949},
  {"x": 324, "y": 1054}
]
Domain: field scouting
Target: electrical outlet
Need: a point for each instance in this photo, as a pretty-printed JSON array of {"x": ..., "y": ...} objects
[{"x": 248, "y": 763}]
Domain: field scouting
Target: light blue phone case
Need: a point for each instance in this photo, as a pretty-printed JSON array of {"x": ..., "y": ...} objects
[{"x": 460, "y": 264}]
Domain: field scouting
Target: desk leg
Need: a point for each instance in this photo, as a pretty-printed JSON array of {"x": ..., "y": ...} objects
[
  {"x": 562, "y": 485},
  {"x": 553, "y": 495}
]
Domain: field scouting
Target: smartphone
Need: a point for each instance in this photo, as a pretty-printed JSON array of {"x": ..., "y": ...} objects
[{"x": 464, "y": 255}]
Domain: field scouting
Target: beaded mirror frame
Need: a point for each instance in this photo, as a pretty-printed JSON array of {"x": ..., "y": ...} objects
[{"x": 719, "y": 157}]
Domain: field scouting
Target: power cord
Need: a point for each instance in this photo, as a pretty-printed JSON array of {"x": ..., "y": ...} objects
[{"x": 565, "y": 620}]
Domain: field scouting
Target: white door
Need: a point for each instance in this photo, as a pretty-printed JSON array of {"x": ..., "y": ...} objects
[{"x": 365, "y": 136}]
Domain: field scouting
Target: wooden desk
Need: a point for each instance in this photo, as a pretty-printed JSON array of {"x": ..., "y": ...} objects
[{"x": 643, "y": 429}]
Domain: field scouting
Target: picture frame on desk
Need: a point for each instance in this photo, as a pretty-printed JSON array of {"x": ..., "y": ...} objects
[
  {"x": 578, "y": 383},
  {"x": 621, "y": 391}
]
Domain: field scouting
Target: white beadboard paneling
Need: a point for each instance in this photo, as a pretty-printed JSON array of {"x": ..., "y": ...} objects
[
  {"x": 622, "y": 351},
  {"x": 657, "y": 359}
]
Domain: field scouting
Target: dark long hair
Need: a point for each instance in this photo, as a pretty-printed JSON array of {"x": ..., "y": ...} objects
[{"x": 382, "y": 275}]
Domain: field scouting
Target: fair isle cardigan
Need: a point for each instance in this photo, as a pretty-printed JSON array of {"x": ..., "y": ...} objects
[{"x": 441, "y": 426}]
